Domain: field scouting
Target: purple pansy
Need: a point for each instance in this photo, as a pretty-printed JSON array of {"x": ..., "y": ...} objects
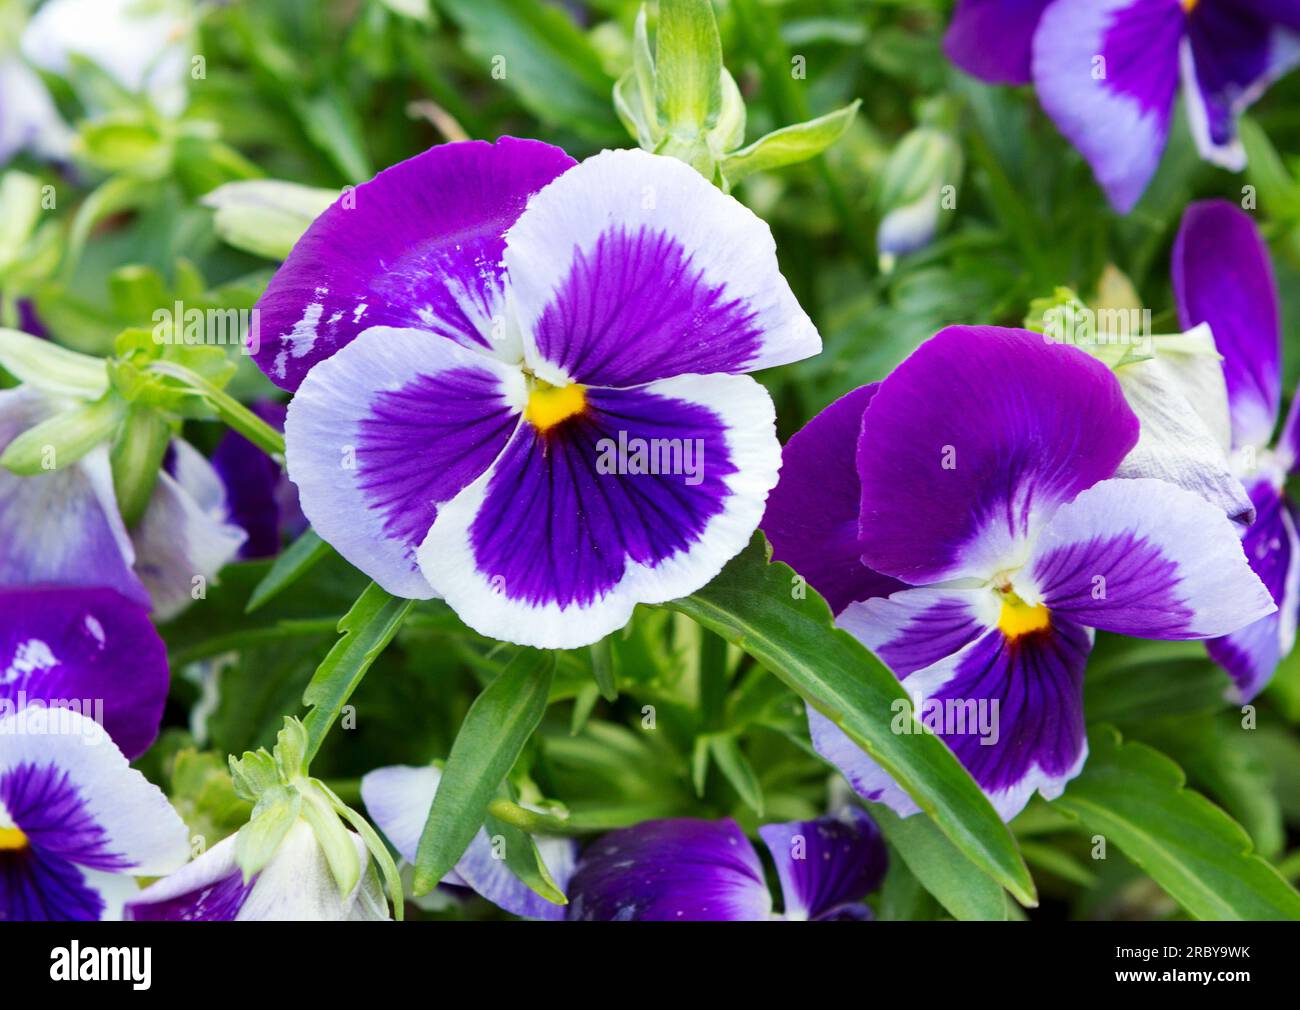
[
  {"x": 1109, "y": 71},
  {"x": 692, "y": 870},
  {"x": 83, "y": 678},
  {"x": 984, "y": 467},
  {"x": 1223, "y": 277},
  {"x": 64, "y": 527},
  {"x": 296, "y": 885},
  {"x": 259, "y": 497},
  {"x": 398, "y": 800},
  {"x": 516, "y": 382}
]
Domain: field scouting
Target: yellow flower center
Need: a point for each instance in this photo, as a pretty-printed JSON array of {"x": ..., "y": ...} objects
[
  {"x": 549, "y": 405},
  {"x": 1019, "y": 618},
  {"x": 12, "y": 838},
  {"x": 1190, "y": 5}
]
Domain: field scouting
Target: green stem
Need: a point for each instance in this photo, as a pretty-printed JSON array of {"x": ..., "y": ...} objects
[
  {"x": 227, "y": 407},
  {"x": 534, "y": 823}
]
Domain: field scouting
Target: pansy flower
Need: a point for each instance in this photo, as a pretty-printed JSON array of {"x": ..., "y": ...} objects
[
  {"x": 1108, "y": 71},
  {"x": 517, "y": 382},
  {"x": 398, "y": 799},
  {"x": 963, "y": 520},
  {"x": 692, "y": 870},
  {"x": 64, "y": 527},
  {"x": 259, "y": 497},
  {"x": 83, "y": 679},
  {"x": 1223, "y": 277}
]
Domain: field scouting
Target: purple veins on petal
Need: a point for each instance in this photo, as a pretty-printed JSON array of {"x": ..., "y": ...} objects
[{"x": 828, "y": 865}]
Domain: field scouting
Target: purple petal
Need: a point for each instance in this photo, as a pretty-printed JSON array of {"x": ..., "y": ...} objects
[
  {"x": 62, "y": 527},
  {"x": 812, "y": 513},
  {"x": 210, "y": 888},
  {"x": 1143, "y": 557},
  {"x": 993, "y": 39},
  {"x": 386, "y": 432},
  {"x": 1223, "y": 276},
  {"x": 259, "y": 498},
  {"x": 1107, "y": 73},
  {"x": 828, "y": 863},
  {"x": 418, "y": 246},
  {"x": 632, "y": 268},
  {"x": 1234, "y": 54},
  {"x": 1251, "y": 654},
  {"x": 576, "y": 524},
  {"x": 671, "y": 871},
  {"x": 90, "y": 649},
  {"x": 1287, "y": 451},
  {"x": 973, "y": 441},
  {"x": 38, "y": 886},
  {"x": 1010, "y": 709},
  {"x": 917, "y": 627}
]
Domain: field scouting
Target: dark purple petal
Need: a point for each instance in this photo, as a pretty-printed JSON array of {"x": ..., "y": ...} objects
[
  {"x": 419, "y": 246},
  {"x": 828, "y": 863},
  {"x": 972, "y": 443},
  {"x": 993, "y": 39},
  {"x": 88, "y": 648},
  {"x": 1107, "y": 73},
  {"x": 812, "y": 513},
  {"x": 28, "y": 320},
  {"x": 211, "y": 901},
  {"x": 258, "y": 496},
  {"x": 39, "y": 886},
  {"x": 1143, "y": 557},
  {"x": 917, "y": 627},
  {"x": 52, "y": 811},
  {"x": 671, "y": 871},
  {"x": 1223, "y": 276}
]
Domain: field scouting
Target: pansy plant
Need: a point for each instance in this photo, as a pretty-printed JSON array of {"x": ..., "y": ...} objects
[
  {"x": 518, "y": 382},
  {"x": 964, "y": 520}
]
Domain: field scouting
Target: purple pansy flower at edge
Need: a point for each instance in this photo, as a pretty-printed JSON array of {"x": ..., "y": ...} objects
[
  {"x": 975, "y": 487},
  {"x": 1108, "y": 71},
  {"x": 691, "y": 870},
  {"x": 83, "y": 679},
  {"x": 398, "y": 799},
  {"x": 494, "y": 349},
  {"x": 1222, "y": 276},
  {"x": 259, "y": 498}
]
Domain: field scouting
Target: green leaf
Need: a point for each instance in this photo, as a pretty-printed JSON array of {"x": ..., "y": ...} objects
[
  {"x": 226, "y": 407},
  {"x": 688, "y": 67},
  {"x": 494, "y": 731},
  {"x": 374, "y": 844},
  {"x": 525, "y": 860},
  {"x": 297, "y": 560},
  {"x": 366, "y": 629},
  {"x": 941, "y": 868},
  {"x": 277, "y": 809},
  {"x": 20, "y": 208},
  {"x": 137, "y": 459},
  {"x": 1136, "y": 798},
  {"x": 64, "y": 438},
  {"x": 737, "y": 770},
  {"x": 789, "y": 145},
  {"x": 602, "y": 669},
  {"x": 752, "y": 605},
  {"x": 46, "y": 365}
]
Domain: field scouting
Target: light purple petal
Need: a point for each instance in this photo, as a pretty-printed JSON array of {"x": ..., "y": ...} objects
[
  {"x": 417, "y": 246},
  {"x": 812, "y": 513},
  {"x": 671, "y": 871},
  {"x": 917, "y": 627},
  {"x": 62, "y": 527},
  {"x": 867, "y": 778},
  {"x": 826, "y": 863},
  {"x": 1223, "y": 276},
  {"x": 576, "y": 524},
  {"x": 90, "y": 649},
  {"x": 259, "y": 497},
  {"x": 1143, "y": 557},
  {"x": 973, "y": 441},
  {"x": 387, "y": 431},
  {"x": 632, "y": 267},
  {"x": 1107, "y": 73},
  {"x": 1251, "y": 654},
  {"x": 993, "y": 39}
]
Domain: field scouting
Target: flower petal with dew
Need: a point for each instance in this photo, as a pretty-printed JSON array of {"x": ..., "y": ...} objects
[
  {"x": 76, "y": 821},
  {"x": 694, "y": 870},
  {"x": 398, "y": 799},
  {"x": 569, "y": 438}
]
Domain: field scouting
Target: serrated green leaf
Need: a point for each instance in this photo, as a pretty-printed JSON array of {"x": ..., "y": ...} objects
[
  {"x": 1137, "y": 799},
  {"x": 494, "y": 731},
  {"x": 751, "y": 604}
]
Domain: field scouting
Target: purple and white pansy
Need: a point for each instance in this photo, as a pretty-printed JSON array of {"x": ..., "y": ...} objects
[
  {"x": 517, "y": 382},
  {"x": 1223, "y": 278},
  {"x": 398, "y": 799},
  {"x": 64, "y": 527},
  {"x": 1109, "y": 71},
  {"x": 693, "y": 870},
  {"x": 83, "y": 679},
  {"x": 964, "y": 521}
]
